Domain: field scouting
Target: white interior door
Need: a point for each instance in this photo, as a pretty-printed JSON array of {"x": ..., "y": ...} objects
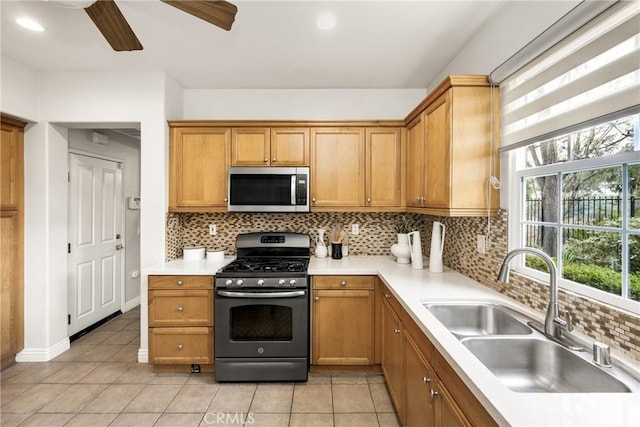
[{"x": 95, "y": 236}]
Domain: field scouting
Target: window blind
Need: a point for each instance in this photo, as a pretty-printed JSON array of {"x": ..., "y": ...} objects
[{"x": 593, "y": 73}]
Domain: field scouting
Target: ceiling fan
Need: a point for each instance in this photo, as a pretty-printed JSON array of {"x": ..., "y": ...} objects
[{"x": 107, "y": 17}]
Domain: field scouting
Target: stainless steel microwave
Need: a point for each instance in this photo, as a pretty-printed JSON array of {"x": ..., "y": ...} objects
[{"x": 268, "y": 189}]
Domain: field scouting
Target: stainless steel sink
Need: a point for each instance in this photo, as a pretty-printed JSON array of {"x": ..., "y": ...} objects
[
  {"x": 533, "y": 365},
  {"x": 477, "y": 319}
]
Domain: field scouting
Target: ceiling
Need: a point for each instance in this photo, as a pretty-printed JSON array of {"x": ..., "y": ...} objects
[{"x": 272, "y": 45}]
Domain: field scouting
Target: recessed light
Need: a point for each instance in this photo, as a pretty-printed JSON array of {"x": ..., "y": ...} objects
[
  {"x": 326, "y": 21},
  {"x": 29, "y": 24}
]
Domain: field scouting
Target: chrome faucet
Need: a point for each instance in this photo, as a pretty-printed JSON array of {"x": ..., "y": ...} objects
[{"x": 553, "y": 323}]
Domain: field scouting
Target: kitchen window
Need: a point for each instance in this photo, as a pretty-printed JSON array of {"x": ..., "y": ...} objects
[
  {"x": 578, "y": 200},
  {"x": 571, "y": 132}
]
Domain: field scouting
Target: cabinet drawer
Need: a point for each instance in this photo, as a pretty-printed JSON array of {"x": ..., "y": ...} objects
[
  {"x": 180, "y": 345},
  {"x": 391, "y": 299},
  {"x": 181, "y": 308},
  {"x": 180, "y": 282},
  {"x": 343, "y": 282}
]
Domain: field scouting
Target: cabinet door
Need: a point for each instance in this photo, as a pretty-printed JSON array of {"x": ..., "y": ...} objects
[
  {"x": 290, "y": 147},
  {"x": 415, "y": 162},
  {"x": 447, "y": 411},
  {"x": 11, "y": 301},
  {"x": 383, "y": 167},
  {"x": 199, "y": 160},
  {"x": 418, "y": 380},
  {"x": 437, "y": 130},
  {"x": 10, "y": 166},
  {"x": 250, "y": 146},
  {"x": 392, "y": 357},
  {"x": 342, "y": 327},
  {"x": 337, "y": 167}
]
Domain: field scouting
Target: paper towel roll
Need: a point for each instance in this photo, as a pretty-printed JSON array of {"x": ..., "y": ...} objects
[
  {"x": 215, "y": 255},
  {"x": 193, "y": 253}
]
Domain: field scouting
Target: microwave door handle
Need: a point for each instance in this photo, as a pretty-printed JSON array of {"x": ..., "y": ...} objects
[
  {"x": 261, "y": 294},
  {"x": 294, "y": 180}
]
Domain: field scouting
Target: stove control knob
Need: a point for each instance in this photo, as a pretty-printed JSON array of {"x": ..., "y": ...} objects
[
  {"x": 239, "y": 282},
  {"x": 229, "y": 282},
  {"x": 281, "y": 282},
  {"x": 292, "y": 282},
  {"x": 260, "y": 282}
]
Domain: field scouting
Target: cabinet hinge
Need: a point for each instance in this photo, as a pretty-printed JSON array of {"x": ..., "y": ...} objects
[
  {"x": 68, "y": 248},
  {"x": 69, "y": 176},
  {"x": 68, "y": 319}
]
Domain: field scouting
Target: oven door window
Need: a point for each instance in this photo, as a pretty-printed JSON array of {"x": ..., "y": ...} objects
[{"x": 261, "y": 322}]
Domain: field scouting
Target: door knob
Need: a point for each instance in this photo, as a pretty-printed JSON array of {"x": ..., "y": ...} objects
[{"x": 119, "y": 246}]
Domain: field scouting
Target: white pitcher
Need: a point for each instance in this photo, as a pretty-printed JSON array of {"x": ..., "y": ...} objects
[
  {"x": 321, "y": 249},
  {"x": 437, "y": 246},
  {"x": 415, "y": 245}
]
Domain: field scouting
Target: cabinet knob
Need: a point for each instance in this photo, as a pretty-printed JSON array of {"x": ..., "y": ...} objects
[
  {"x": 313, "y": 199},
  {"x": 226, "y": 200},
  {"x": 418, "y": 199},
  {"x": 179, "y": 283},
  {"x": 266, "y": 160},
  {"x": 274, "y": 160},
  {"x": 387, "y": 296},
  {"x": 434, "y": 394},
  {"x": 343, "y": 283},
  {"x": 368, "y": 199},
  {"x": 316, "y": 299},
  {"x": 426, "y": 380},
  {"x": 180, "y": 309},
  {"x": 180, "y": 346},
  {"x": 396, "y": 331}
]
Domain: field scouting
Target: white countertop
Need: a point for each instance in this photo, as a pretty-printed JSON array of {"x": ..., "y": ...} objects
[{"x": 411, "y": 288}]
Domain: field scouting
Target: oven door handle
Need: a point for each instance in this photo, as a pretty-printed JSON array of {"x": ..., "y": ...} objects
[{"x": 261, "y": 294}]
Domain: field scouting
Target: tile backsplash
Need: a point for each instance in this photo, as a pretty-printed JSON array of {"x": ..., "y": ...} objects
[{"x": 620, "y": 330}]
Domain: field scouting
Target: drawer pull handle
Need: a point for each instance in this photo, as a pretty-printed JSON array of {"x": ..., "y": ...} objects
[
  {"x": 343, "y": 283},
  {"x": 179, "y": 283},
  {"x": 396, "y": 331},
  {"x": 180, "y": 346},
  {"x": 180, "y": 309}
]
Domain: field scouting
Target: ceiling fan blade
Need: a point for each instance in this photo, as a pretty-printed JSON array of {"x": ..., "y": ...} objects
[
  {"x": 106, "y": 15},
  {"x": 218, "y": 13}
]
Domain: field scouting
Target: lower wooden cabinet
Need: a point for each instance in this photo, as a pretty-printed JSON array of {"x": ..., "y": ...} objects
[
  {"x": 180, "y": 319},
  {"x": 391, "y": 363},
  {"x": 343, "y": 320},
  {"x": 424, "y": 389},
  {"x": 181, "y": 345}
]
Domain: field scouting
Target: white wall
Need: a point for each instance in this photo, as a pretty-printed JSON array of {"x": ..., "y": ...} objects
[
  {"x": 511, "y": 28},
  {"x": 127, "y": 150},
  {"x": 80, "y": 97},
  {"x": 300, "y": 104},
  {"x": 19, "y": 94}
]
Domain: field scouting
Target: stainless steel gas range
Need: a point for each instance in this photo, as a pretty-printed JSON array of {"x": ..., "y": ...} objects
[{"x": 262, "y": 310}]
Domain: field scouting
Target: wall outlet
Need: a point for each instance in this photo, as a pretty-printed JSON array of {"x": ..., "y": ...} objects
[
  {"x": 213, "y": 230},
  {"x": 355, "y": 229},
  {"x": 481, "y": 243}
]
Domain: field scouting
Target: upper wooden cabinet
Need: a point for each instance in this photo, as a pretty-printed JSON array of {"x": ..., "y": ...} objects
[
  {"x": 384, "y": 151},
  {"x": 452, "y": 151},
  {"x": 357, "y": 168},
  {"x": 337, "y": 167},
  {"x": 198, "y": 162},
  {"x": 270, "y": 146}
]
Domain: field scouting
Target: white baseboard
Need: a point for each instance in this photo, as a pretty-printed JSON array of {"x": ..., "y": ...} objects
[
  {"x": 143, "y": 355},
  {"x": 43, "y": 354},
  {"x": 131, "y": 304}
]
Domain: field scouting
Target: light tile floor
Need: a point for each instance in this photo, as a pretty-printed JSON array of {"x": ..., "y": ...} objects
[{"x": 97, "y": 382}]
